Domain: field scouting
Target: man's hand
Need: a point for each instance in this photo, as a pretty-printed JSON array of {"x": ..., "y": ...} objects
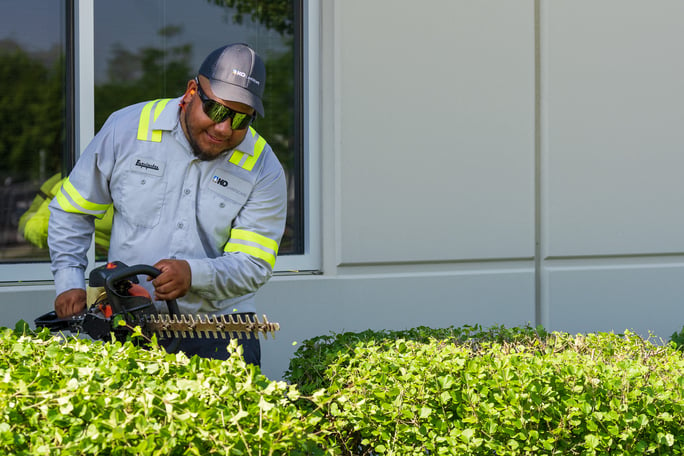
[
  {"x": 174, "y": 281},
  {"x": 70, "y": 302}
]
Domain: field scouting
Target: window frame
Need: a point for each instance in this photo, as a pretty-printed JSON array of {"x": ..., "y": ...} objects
[
  {"x": 310, "y": 261},
  {"x": 81, "y": 42}
]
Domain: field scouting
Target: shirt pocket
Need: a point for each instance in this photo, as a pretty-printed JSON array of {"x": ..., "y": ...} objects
[
  {"x": 142, "y": 199},
  {"x": 221, "y": 199}
]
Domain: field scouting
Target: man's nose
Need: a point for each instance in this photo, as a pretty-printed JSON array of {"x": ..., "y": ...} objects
[{"x": 225, "y": 127}]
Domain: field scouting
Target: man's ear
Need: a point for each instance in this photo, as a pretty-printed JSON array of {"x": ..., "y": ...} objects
[
  {"x": 189, "y": 91},
  {"x": 191, "y": 88}
]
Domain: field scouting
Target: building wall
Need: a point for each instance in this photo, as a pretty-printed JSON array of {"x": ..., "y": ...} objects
[
  {"x": 611, "y": 151},
  {"x": 486, "y": 163}
]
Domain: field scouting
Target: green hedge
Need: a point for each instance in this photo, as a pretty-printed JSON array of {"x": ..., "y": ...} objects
[
  {"x": 506, "y": 392},
  {"x": 452, "y": 391},
  {"x": 313, "y": 357},
  {"x": 74, "y": 397}
]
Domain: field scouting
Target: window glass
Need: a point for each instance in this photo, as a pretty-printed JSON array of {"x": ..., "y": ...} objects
[
  {"x": 32, "y": 114},
  {"x": 148, "y": 49}
]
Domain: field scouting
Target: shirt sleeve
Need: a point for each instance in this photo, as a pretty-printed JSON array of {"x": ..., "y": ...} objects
[
  {"x": 250, "y": 253},
  {"x": 83, "y": 197}
]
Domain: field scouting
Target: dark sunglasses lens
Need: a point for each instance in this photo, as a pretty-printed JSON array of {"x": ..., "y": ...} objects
[
  {"x": 240, "y": 121},
  {"x": 215, "y": 111}
]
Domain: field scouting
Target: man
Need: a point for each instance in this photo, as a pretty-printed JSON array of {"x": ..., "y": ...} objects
[{"x": 196, "y": 191}]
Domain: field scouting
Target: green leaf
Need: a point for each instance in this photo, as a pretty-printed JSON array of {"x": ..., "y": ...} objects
[
  {"x": 666, "y": 439},
  {"x": 467, "y": 434},
  {"x": 22, "y": 328},
  {"x": 592, "y": 441}
]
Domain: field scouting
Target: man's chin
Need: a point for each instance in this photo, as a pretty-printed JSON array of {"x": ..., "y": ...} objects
[{"x": 204, "y": 155}]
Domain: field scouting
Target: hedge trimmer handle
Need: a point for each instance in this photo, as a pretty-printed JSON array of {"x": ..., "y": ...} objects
[
  {"x": 125, "y": 272},
  {"x": 122, "y": 273}
]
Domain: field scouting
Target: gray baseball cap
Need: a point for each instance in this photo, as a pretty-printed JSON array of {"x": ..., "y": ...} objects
[{"x": 236, "y": 73}]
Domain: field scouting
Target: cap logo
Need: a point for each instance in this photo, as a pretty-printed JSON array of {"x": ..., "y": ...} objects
[{"x": 242, "y": 74}]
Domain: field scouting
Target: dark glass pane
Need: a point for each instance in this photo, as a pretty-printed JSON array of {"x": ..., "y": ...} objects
[
  {"x": 32, "y": 115},
  {"x": 148, "y": 49}
]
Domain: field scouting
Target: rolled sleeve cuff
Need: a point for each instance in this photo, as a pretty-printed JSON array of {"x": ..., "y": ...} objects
[
  {"x": 69, "y": 278},
  {"x": 201, "y": 273}
]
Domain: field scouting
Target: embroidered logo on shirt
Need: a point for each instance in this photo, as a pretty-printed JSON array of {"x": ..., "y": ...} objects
[
  {"x": 220, "y": 181},
  {"x": 143, "y": 164},
  {"x": 227, "y": 185},
  {"x": 147, "y": 166}
]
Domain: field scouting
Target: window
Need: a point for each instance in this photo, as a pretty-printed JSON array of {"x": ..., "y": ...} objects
[
  {"x": 32, "y": 112},
  {"x": 150, "y": 49},
  {"x": 142, "y": 50}
]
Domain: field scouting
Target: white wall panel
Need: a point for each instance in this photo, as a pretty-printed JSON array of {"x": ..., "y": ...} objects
[
  {"x": 25, "y": 302},
  {"x": 613, "y": 107},
  {"x": 640, "y": 297},
  {"x": 436, "y": 148}
]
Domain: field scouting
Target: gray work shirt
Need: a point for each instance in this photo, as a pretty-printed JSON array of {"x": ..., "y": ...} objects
[{"x": 225, "y": 216}]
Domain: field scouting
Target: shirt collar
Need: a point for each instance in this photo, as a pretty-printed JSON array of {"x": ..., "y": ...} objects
[
  {"x": 169, "y": 116},
  {"x": 247, "y": 144}
]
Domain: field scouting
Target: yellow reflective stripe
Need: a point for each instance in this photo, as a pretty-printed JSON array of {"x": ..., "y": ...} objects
[
  {"x": 157, "y": 134},
  {"x": 98, "y": 210},
  {"x": 160, "y": 107},
  {"x": 253, "y": 251},
  {"x": 244, "y": 160},
  {"x": 236, "y": 157},
  {"x": 256, "y": 238},
  {"x": 251, "y": 160},
  {"x": 65, "y": 204},
  {"x": 265, "y": 248},
  {"x": 86, "y": 205},
  {"x": 144, "y": 122},
  {"x": 78, "y": 199}
]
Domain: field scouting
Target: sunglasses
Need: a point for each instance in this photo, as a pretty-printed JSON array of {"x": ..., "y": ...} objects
[{"x": 219, "y": 113}]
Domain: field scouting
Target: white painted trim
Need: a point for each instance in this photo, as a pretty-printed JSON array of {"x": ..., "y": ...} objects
[
  {"x": 311, "y": 259},
  {"x": 85, "y": 85}
]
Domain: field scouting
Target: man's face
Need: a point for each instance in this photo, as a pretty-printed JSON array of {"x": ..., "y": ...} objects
[{"x": 207, "y": 138}]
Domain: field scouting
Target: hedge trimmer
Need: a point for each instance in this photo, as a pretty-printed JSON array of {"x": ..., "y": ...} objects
[{"x": 119, "y": 305}]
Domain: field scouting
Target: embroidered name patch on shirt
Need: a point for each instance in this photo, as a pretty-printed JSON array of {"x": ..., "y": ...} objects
[
  {"x": 147, "y": 166},
  {"x": 226, "y": 184}
]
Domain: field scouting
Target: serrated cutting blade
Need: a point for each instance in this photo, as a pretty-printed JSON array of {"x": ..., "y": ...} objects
[{"x": 209, "y": 326}]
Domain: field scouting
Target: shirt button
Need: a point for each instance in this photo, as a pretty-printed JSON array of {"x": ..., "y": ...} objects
[
  {"x": 222, "y": 205},
  {"x": 143, "y": 182},
  {"x": 180, "y": 226},
  {"x": 187, "y": 191}
]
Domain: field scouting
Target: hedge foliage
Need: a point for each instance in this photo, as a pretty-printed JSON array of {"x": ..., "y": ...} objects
[
  {"x": 313, "y": 357},
  {"x": 77, "y": 397},
  {"x": 502, "y": 392},
  {"x": 423, "y": 391}
]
